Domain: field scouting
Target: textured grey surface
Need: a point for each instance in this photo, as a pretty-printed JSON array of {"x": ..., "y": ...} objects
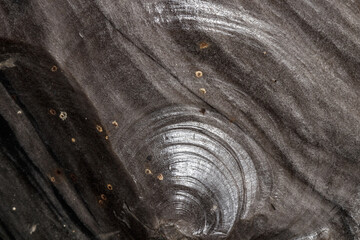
[{"x": 264, "y": 144}]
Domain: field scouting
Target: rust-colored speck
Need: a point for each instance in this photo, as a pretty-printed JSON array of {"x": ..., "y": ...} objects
[
  {"x": 73, "y": 140},
  {"x": 52, "y": 179},
  {"x": 107, "y": 137},
  {"x": 110, "y": 187},
  {"x": 198, "y": 74},
  {"x": 54, "y": 68},
  {"x": 103, "y": 197},
  {"x": 160, "y": 177},
  {"x": 99, "y": 128},
  {"x": 52, "y": 112},
  {"x": 202, "y": 90},
  {"x": 115, "y": 123},
  {"x": 203, "y": 110},
  {"x": 101, "y": 202},
  {"x": 204, "y": 45}
]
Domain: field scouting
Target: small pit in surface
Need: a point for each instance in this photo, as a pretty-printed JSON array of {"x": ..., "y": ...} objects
[
  {"x": 198, "y": 74},
  {"x": 54, "y": 68}
]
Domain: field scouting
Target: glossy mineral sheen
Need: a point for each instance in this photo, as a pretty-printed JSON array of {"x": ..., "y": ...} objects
[
  {"x": 174, "y": 120},
  {"x": 199, "y": 179}
]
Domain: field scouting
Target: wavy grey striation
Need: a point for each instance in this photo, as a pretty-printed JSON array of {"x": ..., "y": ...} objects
[{"x": 180, "y": 119}]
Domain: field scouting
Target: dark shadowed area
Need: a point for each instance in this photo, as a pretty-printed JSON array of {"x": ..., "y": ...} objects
[{"x": 174, "y": 120}]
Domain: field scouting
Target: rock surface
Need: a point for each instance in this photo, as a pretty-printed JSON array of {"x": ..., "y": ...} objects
[{"x": 185, "y": 119}]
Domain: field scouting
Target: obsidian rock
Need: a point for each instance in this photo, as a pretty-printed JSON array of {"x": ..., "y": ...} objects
[{"x": 182, "y": 119}]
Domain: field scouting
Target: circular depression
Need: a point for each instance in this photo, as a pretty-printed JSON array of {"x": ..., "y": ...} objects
[{"x": 190, "y": 170}]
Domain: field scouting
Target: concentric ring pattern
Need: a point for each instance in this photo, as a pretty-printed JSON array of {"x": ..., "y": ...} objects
[{"x": 201, "y": 180}]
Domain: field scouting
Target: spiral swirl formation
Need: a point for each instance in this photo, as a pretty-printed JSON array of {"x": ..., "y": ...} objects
[{"x": 202, "y": 179}]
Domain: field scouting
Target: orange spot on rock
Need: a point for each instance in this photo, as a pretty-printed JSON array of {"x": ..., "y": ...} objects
[
  {"x": 54, "y": 68},
  {"x": 99, "y": 128},
  {"x": 52, "y": 112},
  {"x": 202, "y": 90},
  {"x": 204, "y": 45},
  {"x": 103, "y": 197},
  {"x": 198, "y": 74},
  {"x": 115, "y": 123},
  {"x": 160, "y": 177}
]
